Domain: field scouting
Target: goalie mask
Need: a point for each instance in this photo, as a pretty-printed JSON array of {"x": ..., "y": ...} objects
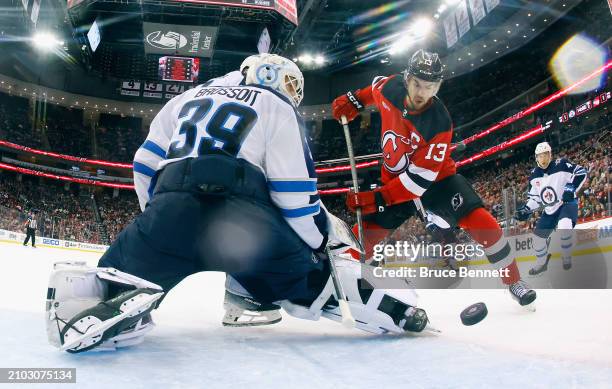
[
  {"x": 280, "y": 74},
  {"x": 250, "y": 61}
]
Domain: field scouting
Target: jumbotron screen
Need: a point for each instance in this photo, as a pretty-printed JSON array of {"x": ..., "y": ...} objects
[
  {"x": 179, "y": 69},
  {"x": 287, "y": 8}
]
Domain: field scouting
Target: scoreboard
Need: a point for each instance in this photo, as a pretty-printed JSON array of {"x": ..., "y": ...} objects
[
  {"x": 179, "y": 69},
  {"x": 287, "y": 8}
]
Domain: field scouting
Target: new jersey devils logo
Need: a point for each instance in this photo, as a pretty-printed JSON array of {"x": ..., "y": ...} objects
[{"x": 396, "y": 150}]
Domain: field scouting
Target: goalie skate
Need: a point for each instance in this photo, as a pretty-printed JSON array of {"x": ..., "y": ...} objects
[
  {"x": 243, "y": 311},
  {"x": 107, "y": 319}
]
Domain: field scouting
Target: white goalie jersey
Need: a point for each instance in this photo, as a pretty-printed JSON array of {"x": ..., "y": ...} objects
[
  {"x": 248, "y": 122},
  {"x": 234, "y": 78}
]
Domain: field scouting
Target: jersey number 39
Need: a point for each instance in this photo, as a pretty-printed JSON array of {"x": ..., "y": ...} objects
[{"x": 224, "y": 130}]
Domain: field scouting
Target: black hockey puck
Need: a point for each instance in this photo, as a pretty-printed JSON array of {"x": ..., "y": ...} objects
[{"x": 474, "y": 314}]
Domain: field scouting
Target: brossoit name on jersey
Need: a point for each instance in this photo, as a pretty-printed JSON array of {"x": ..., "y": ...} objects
[{"x": 246, "y": 95}]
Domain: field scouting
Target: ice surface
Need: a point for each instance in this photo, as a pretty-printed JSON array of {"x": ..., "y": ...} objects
[{"x": 567, "y": 342}]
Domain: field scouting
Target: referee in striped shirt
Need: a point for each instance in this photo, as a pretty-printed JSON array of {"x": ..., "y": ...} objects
[{"x": 30, "y": 225}]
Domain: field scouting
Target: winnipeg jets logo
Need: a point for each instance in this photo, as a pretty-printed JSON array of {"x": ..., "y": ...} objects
[
  {"x": 548, "y": 196},
  {"x": 267, "y": 74},
  {"x": 396, "y": 150}
]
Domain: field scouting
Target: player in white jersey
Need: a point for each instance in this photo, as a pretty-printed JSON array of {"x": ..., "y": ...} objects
[
  {"x": 240, "y": 308},
  {"x": 227, "y": 184},
  {"x": 553, "y": 186}
]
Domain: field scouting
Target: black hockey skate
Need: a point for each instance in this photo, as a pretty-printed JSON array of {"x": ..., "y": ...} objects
[
  {"x": 521, "y": 292},
  {"x": 243, "y": 311},
  {"x": 540, "y": 269}
]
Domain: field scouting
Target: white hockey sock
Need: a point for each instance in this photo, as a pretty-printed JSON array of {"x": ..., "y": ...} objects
[
  {"x": 566, "y": 236},
  {"x": 541, "y": 249}
]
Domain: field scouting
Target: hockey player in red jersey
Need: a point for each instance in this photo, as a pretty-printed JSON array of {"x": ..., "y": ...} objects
[{"x": 416, "y": 134}]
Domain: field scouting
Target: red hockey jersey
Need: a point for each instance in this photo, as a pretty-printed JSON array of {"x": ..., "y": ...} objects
[{"x": 415, "y": 145}]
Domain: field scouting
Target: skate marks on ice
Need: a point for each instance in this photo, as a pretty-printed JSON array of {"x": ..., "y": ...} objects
[
  {"x": 218, "y": 357},
  {"x": 569, "y": 324},
  {"x": 189, "y": 348}
]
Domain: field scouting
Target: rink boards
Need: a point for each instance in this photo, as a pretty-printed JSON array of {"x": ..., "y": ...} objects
[{"x": 591, "y": 267}]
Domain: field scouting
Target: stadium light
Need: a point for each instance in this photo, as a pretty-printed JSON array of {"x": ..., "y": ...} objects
[
  {"x": 399, "y": 46},
  {"x": 418, "y": 30},
  {"x": 46, "y": 41},
  {"x": 306, "y": 59},
  {"x": 310, "y": 59},
  {"x": 421, "y": 27}
]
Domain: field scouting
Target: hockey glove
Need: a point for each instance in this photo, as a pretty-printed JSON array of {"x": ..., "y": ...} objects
[
  {"x": 522, "y": 213},
  {"x": 346, "y": 105},
  {"x": 568, "y": 194},
  {"x": 369, "y": 202}
]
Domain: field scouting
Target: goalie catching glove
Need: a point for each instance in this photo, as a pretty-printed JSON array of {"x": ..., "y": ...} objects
[{"x": 80, "y": 315}]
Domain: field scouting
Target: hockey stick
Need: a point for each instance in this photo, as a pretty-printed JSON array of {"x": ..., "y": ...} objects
[
  {"x": 349, "y": 147},
  {"x": 347, "y": 317},
  {"x": 419, "y": 206}
]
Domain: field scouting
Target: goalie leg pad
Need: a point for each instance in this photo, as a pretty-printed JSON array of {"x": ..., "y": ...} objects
[
  {"x": 129, "y": 337},
  {"x": 107, "y": 319},
  {"x": 74, "y": 288},
  {"x": 375, "y": 310}
]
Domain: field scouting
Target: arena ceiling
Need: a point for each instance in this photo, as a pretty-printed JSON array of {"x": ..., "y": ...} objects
[{"x": 349, "y": 34}]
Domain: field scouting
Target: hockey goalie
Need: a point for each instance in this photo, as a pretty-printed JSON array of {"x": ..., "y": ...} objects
[{"x": 226, "y": 182}]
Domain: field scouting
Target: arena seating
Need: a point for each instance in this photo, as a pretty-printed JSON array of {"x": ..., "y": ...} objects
[{"x": 74, "y": 217}]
